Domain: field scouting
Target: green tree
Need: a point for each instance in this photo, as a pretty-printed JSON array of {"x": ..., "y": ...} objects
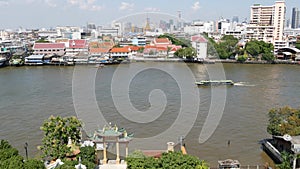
[
  {"x": 227, "y": 46},
  {"x": 285, "y": 120},
  {"x": 253, "y": 48},
  {"x": 12, "y": 162},
  {"x": 136, "y": 160},
  {"x": 286, "y": 161},
  {"x": 68, "y": 165},
  {"x": 260, "y": 49},
  {"x": 8, "y": 153},
  {"x": 222, "y": 52},
  {"x": 10, "y": 158},
  {"x": 57, "y": 130},
  {"x": 42, "y": 40},
  {"x": 268, "y": 56},
  {"x": 176, "y": 41},
  {"x": 4, "y": 144},
  {"x": 88, "y": 164},
  {"x": 297, "y": 44},
  {"x": 188, "y": 53},
  {"x": 174, "y": 160},
  {"x": 33, "y": 163},
  {"x": 88, "y": 153},
  {"x": 211, "y": 46},
  {"x": 242, "y": 58},
  {"x": 171, "y": 160}
]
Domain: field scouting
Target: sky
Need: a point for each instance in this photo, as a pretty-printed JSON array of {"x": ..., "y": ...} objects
[{"x": 52, "y": 13}]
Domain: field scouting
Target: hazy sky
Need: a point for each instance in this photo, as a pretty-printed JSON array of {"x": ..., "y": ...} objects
[{"x": 52, "y": 13}]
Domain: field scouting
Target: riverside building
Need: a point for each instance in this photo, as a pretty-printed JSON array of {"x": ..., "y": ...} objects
[{"x": 267, "y": 24}]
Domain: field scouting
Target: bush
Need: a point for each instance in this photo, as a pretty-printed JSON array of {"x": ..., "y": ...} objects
[
  {"x": 242, "y": 58},
  {"x": 33, "y": 163}
]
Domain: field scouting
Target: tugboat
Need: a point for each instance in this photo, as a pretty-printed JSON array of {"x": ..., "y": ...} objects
[{"x": 214, "y": 82}]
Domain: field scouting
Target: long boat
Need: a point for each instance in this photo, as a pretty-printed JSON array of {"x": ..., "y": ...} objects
[
  {"x": 229, "y": 164},
  {"x": 214, "y": 82}
]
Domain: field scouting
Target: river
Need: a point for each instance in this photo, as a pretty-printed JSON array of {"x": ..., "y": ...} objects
[{"x": 29, "y": 95}]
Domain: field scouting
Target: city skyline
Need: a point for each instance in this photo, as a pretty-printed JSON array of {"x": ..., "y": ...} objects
[{"x": 52, "y": 13}]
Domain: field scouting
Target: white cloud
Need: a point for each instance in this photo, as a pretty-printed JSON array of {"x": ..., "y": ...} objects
[
  {"x": 50, "y": 3},
  {"x": 126, "y": 6},
  {"x": 196, "y": 6},
  {"x": 150, "y": 9},
  {"x": 86, "y": 4},
  {"x": 3, "y": 2},
  {"x": 74, "y": 2}
]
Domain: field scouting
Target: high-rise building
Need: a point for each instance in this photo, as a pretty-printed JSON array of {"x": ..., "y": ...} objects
[
  {"x": 295, "y": 18},
  {"x": 267, "y": 23},
  {"x": 235, "y": 19}
]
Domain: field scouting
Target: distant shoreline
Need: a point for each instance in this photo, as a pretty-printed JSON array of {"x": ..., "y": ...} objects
[{"x": 210, "y": 61}]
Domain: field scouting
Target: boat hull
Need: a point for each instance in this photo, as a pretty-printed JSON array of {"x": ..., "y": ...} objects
[{"x": 214, "y": 82}]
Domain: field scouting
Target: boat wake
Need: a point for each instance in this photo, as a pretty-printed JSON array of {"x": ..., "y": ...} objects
[{"x": 244, "y": 84}]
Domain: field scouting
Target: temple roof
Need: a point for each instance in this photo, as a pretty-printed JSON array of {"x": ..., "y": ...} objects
[{"x": 110, "y": 132}]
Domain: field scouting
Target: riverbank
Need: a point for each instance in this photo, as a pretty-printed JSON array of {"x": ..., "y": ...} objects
[
  {"x": 208, "y": 61},
  {"x": 212, "y": 61}
]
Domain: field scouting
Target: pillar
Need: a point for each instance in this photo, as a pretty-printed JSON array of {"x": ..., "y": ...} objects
[
  {"x": 118, "y": 151},
  {"x": 294, "y": 162},
  {"x": 104, "y": 152},
  {"x": 171, "y": 146},
  {"x": 126, "y": 150}
]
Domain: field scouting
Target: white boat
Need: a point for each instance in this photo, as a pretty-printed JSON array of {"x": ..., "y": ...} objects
[
  {"x": 229, "y": 164},
  {"x": 2, "y": 61}
]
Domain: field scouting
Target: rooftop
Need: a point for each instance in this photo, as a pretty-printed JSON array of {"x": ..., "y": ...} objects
[{"x": 49, "y": 46}]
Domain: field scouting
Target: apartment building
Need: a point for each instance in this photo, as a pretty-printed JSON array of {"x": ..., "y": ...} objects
[{"x": 267, "y": 23}]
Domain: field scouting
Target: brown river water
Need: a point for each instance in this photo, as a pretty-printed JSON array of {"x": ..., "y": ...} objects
[{"x": 29, "y": 95}]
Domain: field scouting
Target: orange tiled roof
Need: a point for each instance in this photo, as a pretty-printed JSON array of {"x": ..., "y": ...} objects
[
  {"x": 162, "y": 48},
  {"x": 119, "y": 50},
  {"x": 149, "y": 47},
  {"x": 132, "y": 48},
  {"x": 94, "y": 44},
  {"x": 162, "y": 40}
]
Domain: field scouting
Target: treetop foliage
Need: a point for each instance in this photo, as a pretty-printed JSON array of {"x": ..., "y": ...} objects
[
  {"x": 10, "y": 158},
  {"x": 284, "y": 120},
  {"x": 170, "y": 160},
  {"x": 176, "y": 41},
  {"x": 57, "y": 131}
]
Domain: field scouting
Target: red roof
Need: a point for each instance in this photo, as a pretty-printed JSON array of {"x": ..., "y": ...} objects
[
  {"x": 198, "y": 38},
  {"x": 78, "y": 43},
  {"x": 49, "y": 46},
  {"x": 119, "y": 50},
  {"x": 162, "y": 48},
  {"x": 107, "y": 44},
  {"x": 149, "y": 46},
  {"x": 161, "y": 40},
  {"x": 132, "y": 48}
]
